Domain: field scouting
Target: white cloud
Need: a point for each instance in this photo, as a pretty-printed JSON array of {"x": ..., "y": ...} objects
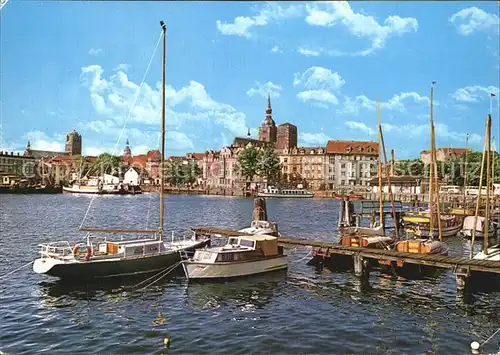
[
  {"x": 40, "y": 141},
  {"x": 352, "y": 106},
  {"x": 319, "y": 78},
  {"x": 309, "y": 52},
  {"x": 3, "y": 3},
  {"x": 332, "y": 13},
  {"x": 318, "y": 95},
  {"x": 270, "y": 12},
  {"x": 319, "y": 84},
  {"x": 264, "y": 89},
  {"x": 276, "y": 49},
  {"x": 474, "y": 93},
  {"x": 113, "y": 97},
  {"x": 123, "y": 67},
  {"x": 95, "y": 51},
  {"x": 473, "y": 19},
  {"x": 360, "y": 126},
  {"x": 312, "y": 139}
]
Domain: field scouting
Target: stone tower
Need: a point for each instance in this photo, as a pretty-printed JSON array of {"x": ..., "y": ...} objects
[
  {"x": 287, "y": 136},
  {"x": 73, "y": 144},
  {"x": 127, "y": 153},
  {"x": 267, "y": 130}
]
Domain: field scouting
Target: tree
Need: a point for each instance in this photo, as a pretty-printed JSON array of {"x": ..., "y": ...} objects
[
  {"x": 173, "y": 172},
  {"x": 105, "y": 164},
  {"x": 268, "y": 164},
  {"x": 246, "y": 162},
  {"x": 190, "y": 172}
]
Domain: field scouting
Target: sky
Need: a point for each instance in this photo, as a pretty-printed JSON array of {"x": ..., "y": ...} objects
[{"x": 80, "y": 65}]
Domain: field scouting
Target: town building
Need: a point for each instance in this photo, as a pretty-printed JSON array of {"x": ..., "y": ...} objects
[
  {"x": 304, "y": 165},
  {"x": 286, "y": 136},
  {"x": 132, "y": 176},
  {"x": 73, "y": 144},
  {"x": 443, "y": 154},
  {"x": 350, "y": 163},
  {"x": 15, "y": 166}
]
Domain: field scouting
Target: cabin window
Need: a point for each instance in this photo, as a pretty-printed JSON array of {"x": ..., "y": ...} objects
[
  {"x": 232, "y": 241},
  {"x": 246, "y": 243},
  {"x": 227, "y": 257}
]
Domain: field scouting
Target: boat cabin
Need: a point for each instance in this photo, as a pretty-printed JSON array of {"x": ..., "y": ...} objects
[{"x": 243, "y": 248}]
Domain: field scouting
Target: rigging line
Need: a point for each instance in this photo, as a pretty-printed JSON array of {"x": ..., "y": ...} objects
[
  {"x": 127, "y": 118},
  {"x": 19, "y": 268}
]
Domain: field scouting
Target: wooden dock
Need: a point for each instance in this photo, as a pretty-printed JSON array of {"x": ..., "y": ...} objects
[{"x": 363, "y": 257}]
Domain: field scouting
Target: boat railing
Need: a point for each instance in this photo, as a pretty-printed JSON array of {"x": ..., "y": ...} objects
[{"x": 62, "y": 248}]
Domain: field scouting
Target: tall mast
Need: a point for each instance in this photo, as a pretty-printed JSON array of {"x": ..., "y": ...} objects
[
  {"x": 465, "y": 170},
  {"x": 436, "y": 182},
  {"x": 162, "y": 171},
  {"x": 431, "y": 175},
  {"x": 488, "y": 185},
  {"x": 380, "y": 199}
]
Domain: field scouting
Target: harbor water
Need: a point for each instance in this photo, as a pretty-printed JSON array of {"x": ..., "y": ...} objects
[{"x": 302, "y": 311}]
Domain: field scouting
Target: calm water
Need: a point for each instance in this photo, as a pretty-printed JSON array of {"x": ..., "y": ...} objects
[{"x": 302, "y": 312}]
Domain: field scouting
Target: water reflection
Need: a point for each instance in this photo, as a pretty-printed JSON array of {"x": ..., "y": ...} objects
[{"x": 249, "y": 293}]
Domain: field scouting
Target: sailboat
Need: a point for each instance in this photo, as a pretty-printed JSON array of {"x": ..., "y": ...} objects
[
  {"x": 488, "y": 253},
  {"x": 424, "y": 224},
  {"x": 374, "y": 236},
  {"x": 109, "y": 258}
]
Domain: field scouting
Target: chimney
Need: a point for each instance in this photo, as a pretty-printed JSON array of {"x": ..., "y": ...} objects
[{"x": 392, "y": 163}]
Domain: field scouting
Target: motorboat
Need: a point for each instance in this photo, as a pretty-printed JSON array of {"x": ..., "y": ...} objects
[
  {"x": 468, "y": 227},
  {"x": 241, "y": 256}
]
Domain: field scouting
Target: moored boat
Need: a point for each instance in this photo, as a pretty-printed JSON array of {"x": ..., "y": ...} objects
[
  {"x": 493, "y": 254},
  {"x": 422, "y": 246},
  {"x": 272, "y": 191},
  {"x": 261, "y": 228},
  {"x": 241, "y": 256},
  {"x": 468, "y": 227},
  {"x": 419, "y": 225}
]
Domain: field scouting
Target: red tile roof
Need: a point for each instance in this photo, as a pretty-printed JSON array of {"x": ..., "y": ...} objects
[{"x": 352, "y": 147}]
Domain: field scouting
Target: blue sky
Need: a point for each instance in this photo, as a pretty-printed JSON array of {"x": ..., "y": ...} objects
[{"x": 79, "y": 65}]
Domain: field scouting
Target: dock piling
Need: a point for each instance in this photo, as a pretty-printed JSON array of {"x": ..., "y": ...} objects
[
  {"x": 462, "y": 276},
  {"x": 259, "y": 209},
  {"x": 361, "y": 266}
]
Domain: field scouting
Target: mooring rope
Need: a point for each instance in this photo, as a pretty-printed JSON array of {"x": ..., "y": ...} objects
[
  {"x": 19, "y": 268},
  {"x": 308, "y": 255},
  {"x": 167, "y": 270},
  {"x": 127, "y": 118},
  {"x": 172, "y": 268},
  {"x": 491, "y": 337}
]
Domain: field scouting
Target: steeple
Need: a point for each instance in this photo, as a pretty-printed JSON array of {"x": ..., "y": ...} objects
[
  {"x": 269, "y": 110},
  {"x": 127, "y": 152},
  {"x": 248, "y": 133},
  {"x": 29, "y": 145}
]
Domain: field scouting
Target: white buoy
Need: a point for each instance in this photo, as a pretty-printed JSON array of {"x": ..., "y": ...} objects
[{"x": 474, "y": 345}]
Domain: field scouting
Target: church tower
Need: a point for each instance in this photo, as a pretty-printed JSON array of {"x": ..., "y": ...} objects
[
  {"x": 267, "y": 130},
  {"x": 73, "y": 144},
  {"x": 127, "y": 153}
]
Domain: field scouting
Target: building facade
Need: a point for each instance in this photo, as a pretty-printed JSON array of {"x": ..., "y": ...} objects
[
  {"x": 350, "y": 163},
  {"x": 304, "y": 164},
  {"x": 443, "y": 154},
  {"x": 286, "y": 136},
  {"x": 17, "y": 166}
]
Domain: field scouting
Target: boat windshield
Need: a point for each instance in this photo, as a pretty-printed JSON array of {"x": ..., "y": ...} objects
[{"x": 247, "y": 243}]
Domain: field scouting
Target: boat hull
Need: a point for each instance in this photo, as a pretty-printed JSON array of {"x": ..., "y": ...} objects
[
  {"x": 111, "y": 267},
  {"x": 265, "y": 194},
  {"x": 30, "y": 190},
  {"x": 224, "y": 270},
  {"x": 479, "y": 234},
  {"x": 72, "y": 189},
  {"x": 450, "y": 231}
]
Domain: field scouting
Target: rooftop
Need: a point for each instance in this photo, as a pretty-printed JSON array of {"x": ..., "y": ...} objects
[{"x": 352, "y": 147}]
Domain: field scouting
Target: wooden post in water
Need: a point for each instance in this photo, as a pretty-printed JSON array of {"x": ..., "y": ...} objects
[{"x": 259, "y": 209}]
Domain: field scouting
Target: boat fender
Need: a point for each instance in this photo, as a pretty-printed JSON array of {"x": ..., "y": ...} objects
[
  {"x": 76, "y": 249},
  {"x": 89, "y": 253}
]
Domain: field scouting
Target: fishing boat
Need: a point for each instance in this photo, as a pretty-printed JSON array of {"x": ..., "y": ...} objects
[
  {"x": 110, "y": 258},
  {"x": 241, "y": 256},
  {"x": 418, "y": 224},
  {"x": 272, "y": 191},
  {"x": 480, "y": 227}
]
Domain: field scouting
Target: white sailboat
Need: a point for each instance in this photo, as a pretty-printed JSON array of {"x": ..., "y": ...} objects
[{"x": 109, "y": 258}]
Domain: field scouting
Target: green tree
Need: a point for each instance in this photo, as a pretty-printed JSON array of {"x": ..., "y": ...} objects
[
  {"x": 247, "y": 162},
  {"x": 268, "y": 164},
  {"x": 190, "y": 172},
  {"x": 105, "y": 164},
  {"x": 174, "y": 172}
]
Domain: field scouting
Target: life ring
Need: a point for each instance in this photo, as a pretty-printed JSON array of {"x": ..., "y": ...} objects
[{"x": 76, "y": 249}]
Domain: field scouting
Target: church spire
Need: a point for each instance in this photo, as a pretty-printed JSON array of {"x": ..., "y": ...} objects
[
  {"x": 269, "y": 110},
  {"x": 29, "y": 145},
  {"x": 248, "y": 133}
]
